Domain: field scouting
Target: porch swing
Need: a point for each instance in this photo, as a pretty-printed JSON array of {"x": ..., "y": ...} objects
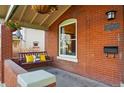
[{"x": 32, "y": 59}]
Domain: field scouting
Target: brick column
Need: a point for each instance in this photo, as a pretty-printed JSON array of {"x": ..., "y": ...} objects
[{"x": 6, "y": 48}]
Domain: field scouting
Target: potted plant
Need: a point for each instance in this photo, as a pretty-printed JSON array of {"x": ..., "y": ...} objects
[{"x": 13, "y": 25}]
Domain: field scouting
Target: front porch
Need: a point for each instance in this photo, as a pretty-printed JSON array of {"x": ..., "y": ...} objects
[
  {"x": 68, "y": 79},
  {"x": 80, "y": 44}
]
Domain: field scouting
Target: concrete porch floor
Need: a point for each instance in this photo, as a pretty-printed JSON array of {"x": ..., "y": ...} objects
[{"x": 67, "y": 79}]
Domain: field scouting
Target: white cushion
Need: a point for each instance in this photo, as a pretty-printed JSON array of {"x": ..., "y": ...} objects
[{"x": 39, "y": 78}]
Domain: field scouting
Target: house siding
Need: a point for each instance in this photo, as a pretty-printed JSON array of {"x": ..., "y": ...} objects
[{"x": 91, "y": 39}]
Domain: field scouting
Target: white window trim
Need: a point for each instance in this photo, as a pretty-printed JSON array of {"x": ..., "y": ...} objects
[{"x": 68, "y": 57}]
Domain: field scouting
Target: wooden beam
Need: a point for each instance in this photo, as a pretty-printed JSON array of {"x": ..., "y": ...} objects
[
  {"x": 23, "y": 11},
  {"x": 10, "y": 12},
  {"x": 33, "y": 26},
  {"x": 62, "y": 12},
  {"x": 44, "y": 19},
  {"x": 36, "y": 14}
]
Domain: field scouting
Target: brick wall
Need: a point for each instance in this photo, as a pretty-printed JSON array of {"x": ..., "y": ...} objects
[
  {"x": 92, "y": 62},
  {"x": 6, "y": 48},
  {"x": 11, "y": 70}
]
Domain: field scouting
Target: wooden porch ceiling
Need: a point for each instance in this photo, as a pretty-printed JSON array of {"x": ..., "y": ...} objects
[
  {"x": 3, "y": 10},
  {"x": 29, "y": 18}
]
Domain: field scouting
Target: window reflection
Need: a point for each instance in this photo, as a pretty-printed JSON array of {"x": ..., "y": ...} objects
[{"x": 68, "y": 40}]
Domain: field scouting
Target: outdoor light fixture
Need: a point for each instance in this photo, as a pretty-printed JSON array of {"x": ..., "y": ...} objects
[
  {"x": 44, "y": 9},
  {"x": 111, "y": 14},
  {"x": 35, "y": 43}
]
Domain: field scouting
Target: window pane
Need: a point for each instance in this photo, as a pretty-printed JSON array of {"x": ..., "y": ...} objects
[
  {"x": 68, "y": 31},
  {"x": 67, "y": 38},
  {"x": 67, "y": 47}
]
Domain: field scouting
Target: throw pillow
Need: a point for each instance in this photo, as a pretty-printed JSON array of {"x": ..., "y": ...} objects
[
  {"x": 42, "y": 58},
  {"x": 29, "y": 58}
]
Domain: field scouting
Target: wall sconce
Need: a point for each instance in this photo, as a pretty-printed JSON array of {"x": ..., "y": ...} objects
[{"x": 111, "y": 14}]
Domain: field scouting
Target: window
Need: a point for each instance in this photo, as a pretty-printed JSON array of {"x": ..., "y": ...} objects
[{"x": 68, "y": 39}]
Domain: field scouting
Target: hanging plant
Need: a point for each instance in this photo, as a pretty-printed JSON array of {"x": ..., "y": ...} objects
[{"x": 13, "y": 25}]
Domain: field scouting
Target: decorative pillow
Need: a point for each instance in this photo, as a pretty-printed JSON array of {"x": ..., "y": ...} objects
[
  {"x": 42, "y": 58},
  {"x": 34, "y": 58},
  {"x": 29, "y": 58}
]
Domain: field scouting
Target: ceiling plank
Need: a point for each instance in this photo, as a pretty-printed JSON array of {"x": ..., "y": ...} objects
[
  {"x": 59, "y": 15},
  {"x": 36, "y": 14},
  {"x": 10, "y": 12},
  {"x": 34, "y": 26},
  {"x": 23, "y": 11},
  {"x": 44, "y": 19}
]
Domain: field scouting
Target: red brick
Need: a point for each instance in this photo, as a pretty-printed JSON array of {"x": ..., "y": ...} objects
[
  {"x": 6, "y": 48},
  {"x": 91, "y": 39}
]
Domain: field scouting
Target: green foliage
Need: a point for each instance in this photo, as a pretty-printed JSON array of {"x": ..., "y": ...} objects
[{"x": 13, "y": 25}]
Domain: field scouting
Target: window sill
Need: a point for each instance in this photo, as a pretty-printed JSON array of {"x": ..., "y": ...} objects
[{"x": 68, "y": 59}]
